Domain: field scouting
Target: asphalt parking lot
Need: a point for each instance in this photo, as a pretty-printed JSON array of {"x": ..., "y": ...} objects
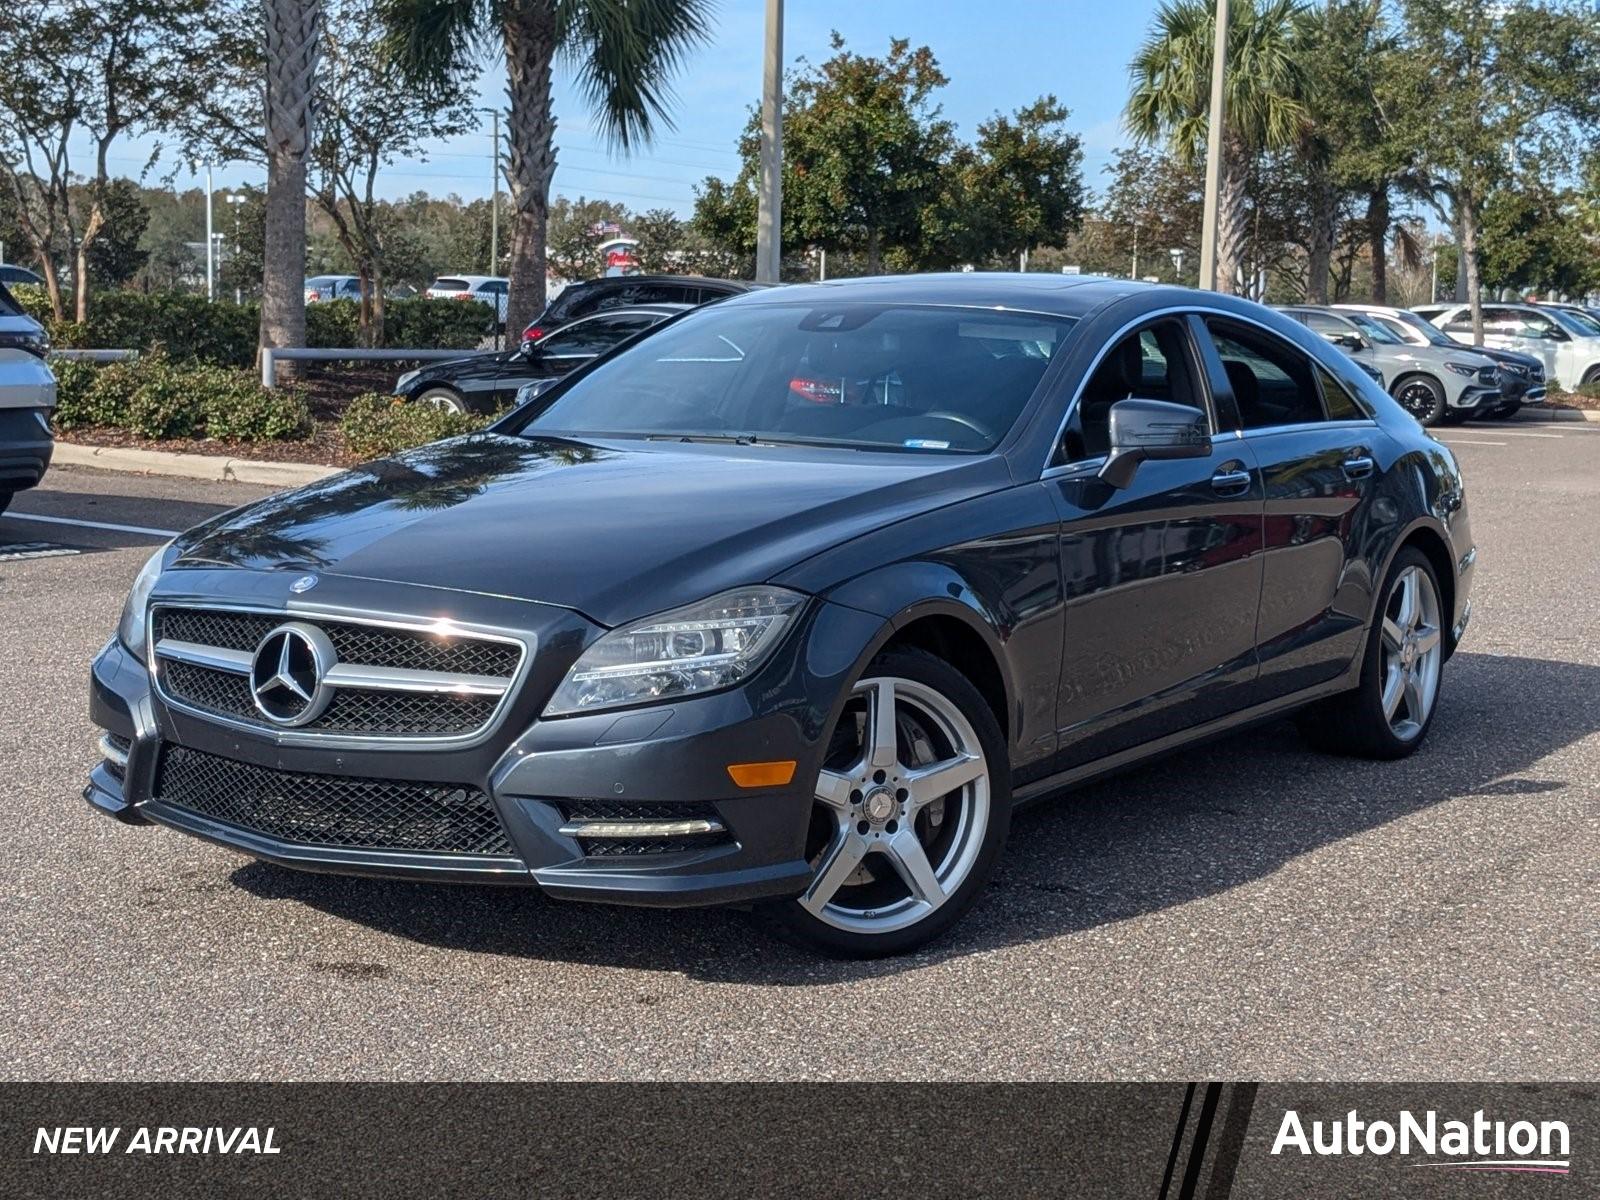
[{"x": 1246, "y": 910}]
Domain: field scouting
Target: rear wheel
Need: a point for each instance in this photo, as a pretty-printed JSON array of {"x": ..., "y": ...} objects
[
  {"x": 1422, "y": 397},
  {"x": 1591, "y": 377},
  {"x": 911, "y": 810},
  {"x": 443, "y": 398},
  {"x": 1388, "y": 713}
]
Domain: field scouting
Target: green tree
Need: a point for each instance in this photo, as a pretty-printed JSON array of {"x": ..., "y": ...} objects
[
  {"x": 1018, "y": 188},
  {"x": 576, "y": 229},
  {"x": 78, "y": 75},
  {"x": 1492, "y": 81},
  {"x": 663, "y": 240},
  {"x": 1265, "y": 90},
  {"x": 1151, "y": 208},
  {"x": 369, "y": 114},
  {"x": 624, "y": 52},
  {"x": 118, "y": 253}
]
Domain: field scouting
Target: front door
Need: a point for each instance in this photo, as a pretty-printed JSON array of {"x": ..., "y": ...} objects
[{"x": 1162, "y": 578}]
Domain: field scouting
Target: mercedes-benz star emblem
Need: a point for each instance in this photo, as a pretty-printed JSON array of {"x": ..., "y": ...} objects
[
  {"x": 304, "y": 584},
  {"x": 288, "y": 676}
]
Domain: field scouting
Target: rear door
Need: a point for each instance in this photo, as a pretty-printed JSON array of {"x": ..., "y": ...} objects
[
  {"x": 1316, "y": 451},
  {"x": 1162, "y": 578}
]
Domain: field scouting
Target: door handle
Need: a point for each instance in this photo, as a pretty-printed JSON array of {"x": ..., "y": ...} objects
[
  {"x": 1358, "y": 467},
  {"x": 1231, "y": 480}
]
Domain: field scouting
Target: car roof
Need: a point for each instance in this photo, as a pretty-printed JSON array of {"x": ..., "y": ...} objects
[
  {"x": 1387, "y": 309},
  {"x": 663, "y": 308},
  {"x": 1060, "y": 295},
  {"x": 472, "y": 278},
  {"x": 695, "y": 280}
]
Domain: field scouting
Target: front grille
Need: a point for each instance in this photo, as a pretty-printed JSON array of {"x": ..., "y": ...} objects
[
  {"x": 609, "y": 810},
  {"x": 389, "y": 712},
  {"x": 331, "y": 810}
]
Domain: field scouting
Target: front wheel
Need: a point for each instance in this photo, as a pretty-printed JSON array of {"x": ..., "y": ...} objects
[
  {"x": 911, "y": 810},
  {"x": 444, "y": 399},
  {"x": 1390, "y": 710},
  {"x": 1422, "y": 397}
]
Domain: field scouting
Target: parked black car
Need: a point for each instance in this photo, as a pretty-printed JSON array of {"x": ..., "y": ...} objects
[
  {"x": 791, "y": 601},
  {"x": 628, "y": 291},
  {"x": 486, "y": 383}
]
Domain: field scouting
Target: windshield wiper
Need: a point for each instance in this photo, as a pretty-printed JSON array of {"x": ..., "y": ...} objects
[{"x": 729, "y": 439}]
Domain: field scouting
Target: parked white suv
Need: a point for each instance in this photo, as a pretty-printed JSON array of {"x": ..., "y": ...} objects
[
  {"x": 27, "y": 394},
  {"x": 485, "y": 289},
  {"x": 1568, "y": 343}
]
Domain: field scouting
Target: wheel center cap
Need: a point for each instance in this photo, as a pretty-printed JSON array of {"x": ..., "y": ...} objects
[{"x": 879, "y": 805}]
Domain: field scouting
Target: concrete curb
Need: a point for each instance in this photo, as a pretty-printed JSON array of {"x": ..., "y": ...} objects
[
  {"x": 218, "y": 467},
  {"x": 1540, "y": 413}
]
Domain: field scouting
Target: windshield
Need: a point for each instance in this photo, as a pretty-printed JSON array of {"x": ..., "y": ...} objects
[
  {"x": 1435, "y": 335},
  {"x": 869, "y": 376},
  {"x": 1579, "y": 323},
  {"x": 1374, "y": 330}
]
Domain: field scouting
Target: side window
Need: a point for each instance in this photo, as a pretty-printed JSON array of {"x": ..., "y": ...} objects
[
  {"x": 1327, "y": 325},
  {"x": 594, "y": 336},
  {"x": 1336, "y": 398},
  {"x": 1537, "y": 325},
  {"x": 1150, "y": 364},
  {"x": 1273, "y": 382}
]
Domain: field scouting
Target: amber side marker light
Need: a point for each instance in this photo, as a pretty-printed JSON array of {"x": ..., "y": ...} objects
[{"x": 767, "y": 774}]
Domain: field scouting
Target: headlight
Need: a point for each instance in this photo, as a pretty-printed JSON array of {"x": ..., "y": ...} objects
[
  {"x": 1466, "y": 369},
  {"x": 131, "y": 628},
  {"x": 407, "y": 380},
  {"x": 697, "y": 648}
]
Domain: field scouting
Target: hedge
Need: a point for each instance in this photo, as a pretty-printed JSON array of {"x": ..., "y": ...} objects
[
  {"x": 188, "y": 327},
  {"x": 375, "y": 424},
  {"x": 157, "y": 397}
]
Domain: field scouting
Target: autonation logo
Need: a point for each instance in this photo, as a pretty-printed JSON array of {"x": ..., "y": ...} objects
[{"x": 1476, "y": 1145}]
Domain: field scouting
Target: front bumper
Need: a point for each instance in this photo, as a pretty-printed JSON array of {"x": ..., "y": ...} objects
[
  {"x": 663, "y": 760},
  {"x": 25, "y": 447},
  {"x": 1476, "y": 399}
]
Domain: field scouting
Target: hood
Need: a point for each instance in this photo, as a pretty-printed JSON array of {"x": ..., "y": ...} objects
[
  {"x": 483, "y": 365},
  {"x": 614, "y": 529},
  {"x": 1437, "y": 355}
]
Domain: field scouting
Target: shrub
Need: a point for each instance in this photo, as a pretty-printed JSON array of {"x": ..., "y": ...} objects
[
  {"x": 158, "y": 398},
  {"x": 374, "y": 424}
]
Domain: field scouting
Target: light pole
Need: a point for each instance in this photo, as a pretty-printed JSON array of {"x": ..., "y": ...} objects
[
  {"x": 1214, "y": 130},
  {"x": 769, "y": 198},
  {"x": 211, "y": 273},
  {"x": 235, "y": 199},
  {"x": 494, "y": 193}
]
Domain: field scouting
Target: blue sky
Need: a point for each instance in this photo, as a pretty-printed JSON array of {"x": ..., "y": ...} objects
[{"x": 999, "y": 54}]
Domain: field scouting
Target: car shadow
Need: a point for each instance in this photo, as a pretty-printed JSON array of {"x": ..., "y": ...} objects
[{"x": 1192, "y": 825}]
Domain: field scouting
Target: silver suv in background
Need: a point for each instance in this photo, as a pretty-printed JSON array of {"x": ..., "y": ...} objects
[
  {"x": 27, "y": 394},
  {"x": 1522, "y": 379},
  {"x": 1568, "y": 343},
  {"x": 1432, "y": 383},
  {"x": 485, "y": 289}
]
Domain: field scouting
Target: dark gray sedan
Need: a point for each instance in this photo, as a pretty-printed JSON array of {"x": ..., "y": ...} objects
[{"x": 791, "y": 602}]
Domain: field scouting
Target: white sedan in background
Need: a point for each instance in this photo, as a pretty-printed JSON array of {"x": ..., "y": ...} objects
[
  {"x": 1566, "y": 341},
  {"x": 485, "y": 289}
]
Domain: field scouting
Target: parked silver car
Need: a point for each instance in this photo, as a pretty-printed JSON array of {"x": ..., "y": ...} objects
[
  {"x": 1568, "y": 343},
  {"x": 27, "y": 394},
  {"x": 1432, "y": 383},
  {"x": 1522, "y": 377}
]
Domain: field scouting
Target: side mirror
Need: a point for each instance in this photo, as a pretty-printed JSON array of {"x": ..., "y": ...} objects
[
  {"x": 1349, "y": 341},
  {"x": 1152, "y": 429},
  {"x": 534, "y": 388}
]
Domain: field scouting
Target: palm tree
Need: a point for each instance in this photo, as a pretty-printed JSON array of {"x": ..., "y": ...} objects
[
  {"x": 294, "y": 32},
  {"x": 1265, "y": 96},
  {"x": 623, "y": 51}
]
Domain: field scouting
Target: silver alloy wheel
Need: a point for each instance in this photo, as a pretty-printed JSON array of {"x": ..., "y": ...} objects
[
  {"x": 909, "y": 813},
  {"x": 1412, "y": 653},
  {"x": 442, "y": 400}
]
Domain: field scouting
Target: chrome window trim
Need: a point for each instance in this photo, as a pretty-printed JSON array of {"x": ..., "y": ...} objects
[
  {"x": 526, "y": 643},
  {"x": 1052, "y": 470}
]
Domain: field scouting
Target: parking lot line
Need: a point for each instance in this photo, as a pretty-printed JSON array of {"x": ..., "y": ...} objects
[
  {"x": 1469, "y": 442},
  {"x": 140, "y": 529},
  {"x": 1518, "y": 433}
]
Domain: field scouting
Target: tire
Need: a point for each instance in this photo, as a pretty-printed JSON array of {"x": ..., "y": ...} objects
[
  {"x": 1358, "y": 722},
  {"x": 1590, "y": 377},
  {"x": 884, "y": 884},
  {"x": 1422, "y": 396},
  {"x": 447, "y": 399},
  {"x": 1506, "y": 411}
]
